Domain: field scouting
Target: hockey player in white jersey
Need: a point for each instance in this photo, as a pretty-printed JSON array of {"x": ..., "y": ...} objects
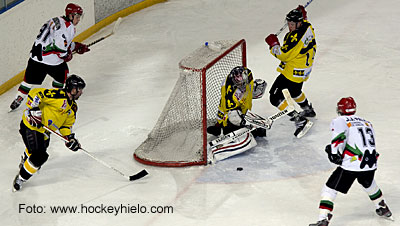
[
  {"x": 51, "y": 51},
  {"x": 353, "y": 148}
]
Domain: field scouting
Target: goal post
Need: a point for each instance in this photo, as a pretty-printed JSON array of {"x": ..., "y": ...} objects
[{"x": 179, "y": 137}]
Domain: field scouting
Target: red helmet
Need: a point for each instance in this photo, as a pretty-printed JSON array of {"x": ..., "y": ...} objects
[
  {"x": 73, "y": 8},
  {"x": 346, "y": 106}
]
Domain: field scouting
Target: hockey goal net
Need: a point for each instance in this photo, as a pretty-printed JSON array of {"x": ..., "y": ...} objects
[{"x": 179, "y": 137}]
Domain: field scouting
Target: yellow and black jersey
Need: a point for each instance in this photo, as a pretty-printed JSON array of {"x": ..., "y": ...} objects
[
  {"x": 234, "y": 98},
  {"x": 297, "y": 53},
  {"x": 58, "y": 112}
]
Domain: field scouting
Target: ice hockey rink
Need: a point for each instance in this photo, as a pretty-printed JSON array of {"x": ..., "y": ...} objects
[{"x": 129, "y": 78}]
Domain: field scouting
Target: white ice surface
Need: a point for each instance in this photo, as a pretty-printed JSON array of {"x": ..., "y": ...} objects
[{"x": 129, "y": 77}]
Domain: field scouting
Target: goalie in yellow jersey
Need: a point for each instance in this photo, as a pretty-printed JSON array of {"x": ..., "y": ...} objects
[
  {"x": 54, "y": 108},
  {"x": 297, "y": 58},
  {"x": 237, "y": 93}
]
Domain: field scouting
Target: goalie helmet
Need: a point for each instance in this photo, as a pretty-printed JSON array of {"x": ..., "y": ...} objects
[
  {"x": 240, "y": 76},
  {"x": 346, "y": 106},
  {"x": 73, "y": 9},
  {"x": 74, "y": 81},
  {"x": 294, "y": 16}
]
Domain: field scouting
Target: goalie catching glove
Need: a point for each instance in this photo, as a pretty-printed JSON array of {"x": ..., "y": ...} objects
[
  {"x": 259, "y": 88},
  {"x": 334, "y": 158},
  {"x": 73, "y": 143}
]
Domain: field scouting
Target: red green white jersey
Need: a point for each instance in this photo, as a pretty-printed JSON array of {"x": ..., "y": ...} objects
[
  {"x": 354, "y": 138},
  {"x": 53, "y": 41}
]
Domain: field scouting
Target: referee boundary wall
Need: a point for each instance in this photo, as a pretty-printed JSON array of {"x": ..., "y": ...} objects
[{"x": 19, "y": 29}]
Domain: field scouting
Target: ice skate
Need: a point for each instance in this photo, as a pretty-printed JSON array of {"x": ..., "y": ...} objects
[
  {"x": 16, "y": 103},
  {"x": 17, "y": 183},
  {"x": 324, "y": 222},
  {"x": 383, "y": 211},
  {"x": 302, "y": 125},
  {"x": 308, "y": 111}
]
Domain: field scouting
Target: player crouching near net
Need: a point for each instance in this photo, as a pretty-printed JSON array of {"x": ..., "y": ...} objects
[
  {"x": 53, "y": 108},
  {"x": 237, "y": 94},
  {"x": 353, "y": 149}
]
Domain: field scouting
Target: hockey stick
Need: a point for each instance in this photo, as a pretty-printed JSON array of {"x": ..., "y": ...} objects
[
  {"x": 136, "y": 176},
  {"x": 291, "y": 102},
  {"x": 253, "y": 125},
  {"x": 255, "y": 122},
  {"x": 285, "y": 25},
  {"x": 116, "y": 25}
]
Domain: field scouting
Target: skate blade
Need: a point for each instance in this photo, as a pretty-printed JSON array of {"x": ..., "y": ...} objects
[
  {"x": 389, "y": 218},
  {"x": 305, "y": 130}
]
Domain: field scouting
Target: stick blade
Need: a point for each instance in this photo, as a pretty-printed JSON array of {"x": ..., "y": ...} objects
[
  {"x": 116, "y": 25},
  {"x": 289, "y": 100},
  {"x": 138, "y": 175}
]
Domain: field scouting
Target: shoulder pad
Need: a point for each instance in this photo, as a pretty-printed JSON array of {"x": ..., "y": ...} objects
[
  {"x": 292, "y": 38},
  {"x": 57, "y": 23}
]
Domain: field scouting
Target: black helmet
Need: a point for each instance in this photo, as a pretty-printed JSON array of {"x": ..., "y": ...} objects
[
  {"x": 74, "y": 81},
  {"x": 240, "y": 76},
  {"x": 294, "y": 16}
]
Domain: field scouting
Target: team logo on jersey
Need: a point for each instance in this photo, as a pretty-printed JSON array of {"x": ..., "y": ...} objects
[
  {"x": 239, "y": 95},
  {"x": 369, "y": 159},
  {"x": 355, "y": 153},
  {"x": 36, "y": 101},
  {"x": 293, "y": 38}
]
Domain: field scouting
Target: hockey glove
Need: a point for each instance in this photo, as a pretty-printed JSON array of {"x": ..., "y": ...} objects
[
  {"x": 73, "y": 143},
  {"x": 34, "y": 117},
  {"x": 272, "y": 40},
  {"x": 303, "y": 11},
  {"x": 334, "y": 158},
  {"x": 81, "y": 48},
  {"x": 67, "y": 58}
]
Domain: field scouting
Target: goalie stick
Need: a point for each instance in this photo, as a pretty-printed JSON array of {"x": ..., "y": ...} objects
[
  {"x": 136, "y": 176},
  {"x": 255, "y": 122},
  {"x": 116, "y": 25},
  {"x": 285, "y": 25}
]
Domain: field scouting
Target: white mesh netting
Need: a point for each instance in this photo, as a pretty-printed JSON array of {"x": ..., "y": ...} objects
[{"x": 177, "y": 138}]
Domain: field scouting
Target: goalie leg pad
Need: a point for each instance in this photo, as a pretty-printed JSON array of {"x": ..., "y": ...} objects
[{"x": 240, "y": 145}]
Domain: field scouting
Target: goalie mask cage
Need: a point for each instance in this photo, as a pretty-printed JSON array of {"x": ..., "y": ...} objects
[{"x": 179, "y": 137}]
